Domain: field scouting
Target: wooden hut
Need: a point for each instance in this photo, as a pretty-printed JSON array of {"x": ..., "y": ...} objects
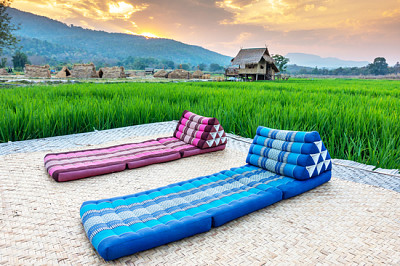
[
  {"x": 32, "y": 71},
  {"x": 112, "y": 72},
  {"x": 149, "y": 71},
  {"x": 256, "y": 63},
  {"x": 84, "y": 71},
  {"x": 232, "y": 71},
  {"x": 64, "y": 72}
]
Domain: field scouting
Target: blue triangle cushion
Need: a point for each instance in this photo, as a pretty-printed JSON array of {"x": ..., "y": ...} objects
[
  {"x": 296, "y": 154},
  {"x": 122, "y": 226}
]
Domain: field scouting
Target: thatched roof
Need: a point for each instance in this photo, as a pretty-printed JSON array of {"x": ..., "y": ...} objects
[
  {"x": 33, "y": 71},
  {"x": 198, "y": 74},
  {"x": 206, "y": 76},
  {"x": 161, "y": 74},
  {"x": 179, "y": 74},
  {"x": 253, "y": 56},
  {"x": 64, "y": 72},
  {"x": 232, "y": 71},
  {"x": 84, "y": 71},
  {"x": 3, "y": 72},
  {"x": 112, "y": 72}
]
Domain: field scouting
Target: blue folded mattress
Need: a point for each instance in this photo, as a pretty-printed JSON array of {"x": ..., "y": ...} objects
[
  {"x": 280, "y": 166},
  {"x": 125, "y": 225}
]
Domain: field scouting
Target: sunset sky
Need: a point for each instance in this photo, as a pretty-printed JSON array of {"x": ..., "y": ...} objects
[{"x": 353, "y": 30}]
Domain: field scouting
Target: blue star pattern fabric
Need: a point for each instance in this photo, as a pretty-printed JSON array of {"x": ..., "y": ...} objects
[
  {"x": 281, "y": 164},
  {"x": 301, "y": 155}
]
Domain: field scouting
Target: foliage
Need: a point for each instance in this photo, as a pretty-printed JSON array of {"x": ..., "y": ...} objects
[
  {"x": 357, "y": 119},
  {"x": 281, "y": 62},
  {"x": 216, "y": 68},
  {"x": 7, "y": 39},
  {"x": 168, "y": 64},
  {"x": 202, "y": 66},
  {"x": 20, "y": 60},
  {"x": 379, "y": 66},
  {"x": 396, "y": 68},
  {"x": 140, "y": 63},
  {"x": 185, "y": 67},
  {"x": 3, "y": 63}
]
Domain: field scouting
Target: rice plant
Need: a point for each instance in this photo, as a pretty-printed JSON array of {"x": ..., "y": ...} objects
[{"x": 358, "y": 119}]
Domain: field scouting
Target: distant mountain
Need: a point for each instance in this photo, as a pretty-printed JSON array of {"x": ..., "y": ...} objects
[
  {"x": 55, "y": 40},
  {"x": 310, "y": 60}
]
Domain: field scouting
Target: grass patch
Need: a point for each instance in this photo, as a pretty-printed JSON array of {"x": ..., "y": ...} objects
[{"x": 357, "y": 119}]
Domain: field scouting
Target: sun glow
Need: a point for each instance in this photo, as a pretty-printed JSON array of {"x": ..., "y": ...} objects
[
  {"x": 149, "y": 35},
  {"x": 120, "y": 8},
  {"x": 123, "y": 9}
]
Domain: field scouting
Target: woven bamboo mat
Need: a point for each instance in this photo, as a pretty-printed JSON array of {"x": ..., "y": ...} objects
[{"x": 340, "y": 222}]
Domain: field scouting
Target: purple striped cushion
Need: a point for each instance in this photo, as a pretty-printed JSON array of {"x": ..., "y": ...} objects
[
  {"x": 185, "y": 149},
  {"x": 80, "y": 164},
  {"x": 199, "y": 119},
  {"x": 202, "y": 132}
]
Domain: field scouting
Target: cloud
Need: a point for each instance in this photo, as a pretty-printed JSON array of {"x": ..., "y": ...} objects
[
  {"x": 358, "y": 29},
  {"x": 90, "y": 9},
  {"x": 391, "y": 13},
  {"x": 303, "y": 14},
  {"x": 124, "y": 10}
]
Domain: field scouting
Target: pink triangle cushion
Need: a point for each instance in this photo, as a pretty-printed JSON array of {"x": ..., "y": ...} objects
[{"x": 202, "y": 132}]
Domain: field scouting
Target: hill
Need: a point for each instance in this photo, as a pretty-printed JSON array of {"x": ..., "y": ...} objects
[
  {"x": 42, "y": 36},
  {"x": 310, "y": 60}
]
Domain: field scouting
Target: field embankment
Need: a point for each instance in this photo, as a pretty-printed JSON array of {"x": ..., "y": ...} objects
[{"x": 358, "y": 119}]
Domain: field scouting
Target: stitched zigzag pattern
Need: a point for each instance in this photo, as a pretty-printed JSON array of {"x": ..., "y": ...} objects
[
  {"x": 301, "y": 155},
  {"x": 202, "y": 132}
]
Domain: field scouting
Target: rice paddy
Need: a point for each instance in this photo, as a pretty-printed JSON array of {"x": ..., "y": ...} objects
[{"x": 357, "y": 119}]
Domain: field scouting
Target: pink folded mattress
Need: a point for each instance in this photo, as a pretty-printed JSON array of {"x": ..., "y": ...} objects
[
  {"x": 80, "y": 164},
  {"x": 194, "y": 135}
]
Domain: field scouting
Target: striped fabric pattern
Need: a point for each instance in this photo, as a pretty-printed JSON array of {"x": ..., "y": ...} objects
[
  {"x": 140, "y": 216},
  {"x": 264, "y": 179},
  {"x": 60, "y": 163},
  {"x": 125, "y": 225},
  {"x": 197, "y": 135},
  {"x": 145, "y": 212},
  {"x": 186, "y": 149},
  {"x": 301, "y": 155},
  {"x": 200, "y": 131}
]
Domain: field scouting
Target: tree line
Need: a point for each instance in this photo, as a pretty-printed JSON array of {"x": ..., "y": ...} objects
[
  {"x": 378, "y": 67},
  {"x": 19, "y": 59},
  {"x": 140, "y": 63}
]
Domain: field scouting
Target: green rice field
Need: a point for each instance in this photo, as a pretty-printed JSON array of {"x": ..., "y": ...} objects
[{"x": 358, "y": 119}]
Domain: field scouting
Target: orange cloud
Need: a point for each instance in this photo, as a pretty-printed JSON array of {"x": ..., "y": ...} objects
[
  {"x": 124, "y": 10},
  {"x": 304, "y": 14},
  {"x": 93, "y": 9},
  {"x": 391, "y": 13}
]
